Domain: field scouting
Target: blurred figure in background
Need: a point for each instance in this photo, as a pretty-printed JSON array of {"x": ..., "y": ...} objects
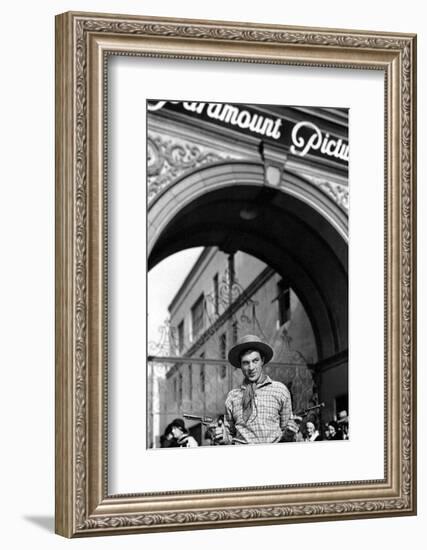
[
  {"x": 343, "y": 423},
  {"x": 312, "y": 433},
  {"x": 334, "y": 431},
  {"x": 180, "y": 433},
  {"x": 167, "y": 439}
]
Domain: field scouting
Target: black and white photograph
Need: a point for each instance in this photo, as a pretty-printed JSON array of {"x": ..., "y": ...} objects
[
  {"x": 247, "y": 286},
  {"x": 214, "y": 241}
]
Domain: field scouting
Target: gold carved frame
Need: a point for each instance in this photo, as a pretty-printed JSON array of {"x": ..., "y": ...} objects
[{"x": 83, "y": 43}]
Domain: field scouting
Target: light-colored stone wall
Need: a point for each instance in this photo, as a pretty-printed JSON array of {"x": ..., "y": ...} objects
[{"x": 247, "y": 268}]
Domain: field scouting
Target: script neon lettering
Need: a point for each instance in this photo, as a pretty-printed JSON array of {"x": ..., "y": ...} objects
[
  {"x": 158, "y": 105},
  {"x": 155, "y": 106},
  {"x": 194, "y": 106},
  {"x": 331, "y": 143},
  {"x": 302, "y": 145}
]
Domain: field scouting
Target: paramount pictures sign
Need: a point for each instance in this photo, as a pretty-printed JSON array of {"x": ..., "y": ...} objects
[{"x": 301, "y": 138}]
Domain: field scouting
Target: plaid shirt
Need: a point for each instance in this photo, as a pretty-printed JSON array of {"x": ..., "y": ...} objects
[{"x": 272, "y": 410}]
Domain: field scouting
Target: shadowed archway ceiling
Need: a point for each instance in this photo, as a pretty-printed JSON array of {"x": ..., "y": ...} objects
[{"x": 283, "y": 232}]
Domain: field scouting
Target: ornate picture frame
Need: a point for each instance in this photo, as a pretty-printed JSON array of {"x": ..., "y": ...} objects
[{"x": 84, "y": 42}]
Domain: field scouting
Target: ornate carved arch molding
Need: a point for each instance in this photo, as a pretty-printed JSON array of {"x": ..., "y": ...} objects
[{"x": 166, "y": 202}]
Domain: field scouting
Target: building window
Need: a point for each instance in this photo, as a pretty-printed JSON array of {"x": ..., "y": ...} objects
[
  {"x": 175, "y": 396},
  {"x": 197, "y": 316},
  {"x": 202, "y": 376},
  {"x": 181, "y": 337},
  {"x": 231, "y": 278},
  {"x": 235, "y": 332},
  {"x": 223, "y": 345},
  {"x": 216, "y": 294},
  {"x": 289, "y": 385},
  {"x": 223, "y": 353},
  {"x": 180, "y": 388},
  {"x": 284, "y": 301},
  {"x": 190, "y": 381}
]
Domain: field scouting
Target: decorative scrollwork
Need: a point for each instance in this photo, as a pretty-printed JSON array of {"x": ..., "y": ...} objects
[
  {"x": 167, "y": 342},
  {"x": 238, "y": 33},
  {"x": 170, "y": 159},
  {"x": 230, "y": 292},
  {"x": 336, "y": 191},
  {"x": 299, "y": 511}
]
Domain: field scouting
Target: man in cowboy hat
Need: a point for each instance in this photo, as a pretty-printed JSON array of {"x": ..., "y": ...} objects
[{"x": 260, "y": 410}]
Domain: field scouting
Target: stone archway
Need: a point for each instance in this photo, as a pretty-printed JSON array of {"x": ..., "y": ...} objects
[{"x": 294, "y": 227}]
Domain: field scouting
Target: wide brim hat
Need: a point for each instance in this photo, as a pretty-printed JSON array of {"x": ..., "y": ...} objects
[
  {"x": 249, "y": 341},
  {"x": 179, "y": 423}
]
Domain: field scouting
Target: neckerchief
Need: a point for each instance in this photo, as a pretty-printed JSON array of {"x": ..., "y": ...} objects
[{"x": 248, "y": 398}]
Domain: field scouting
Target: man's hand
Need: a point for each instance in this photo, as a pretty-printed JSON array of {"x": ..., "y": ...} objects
[
  {"x": 291, "y": 431},
  {"x": 293, "y": 424},
  {"x": 220, "y": 434}
]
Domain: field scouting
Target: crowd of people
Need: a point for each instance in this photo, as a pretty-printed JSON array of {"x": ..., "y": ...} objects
[
  {"x": 334, "y": 430},
  {"x": 259, "y": 411},
  {"x": 176, "y": 433}
]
